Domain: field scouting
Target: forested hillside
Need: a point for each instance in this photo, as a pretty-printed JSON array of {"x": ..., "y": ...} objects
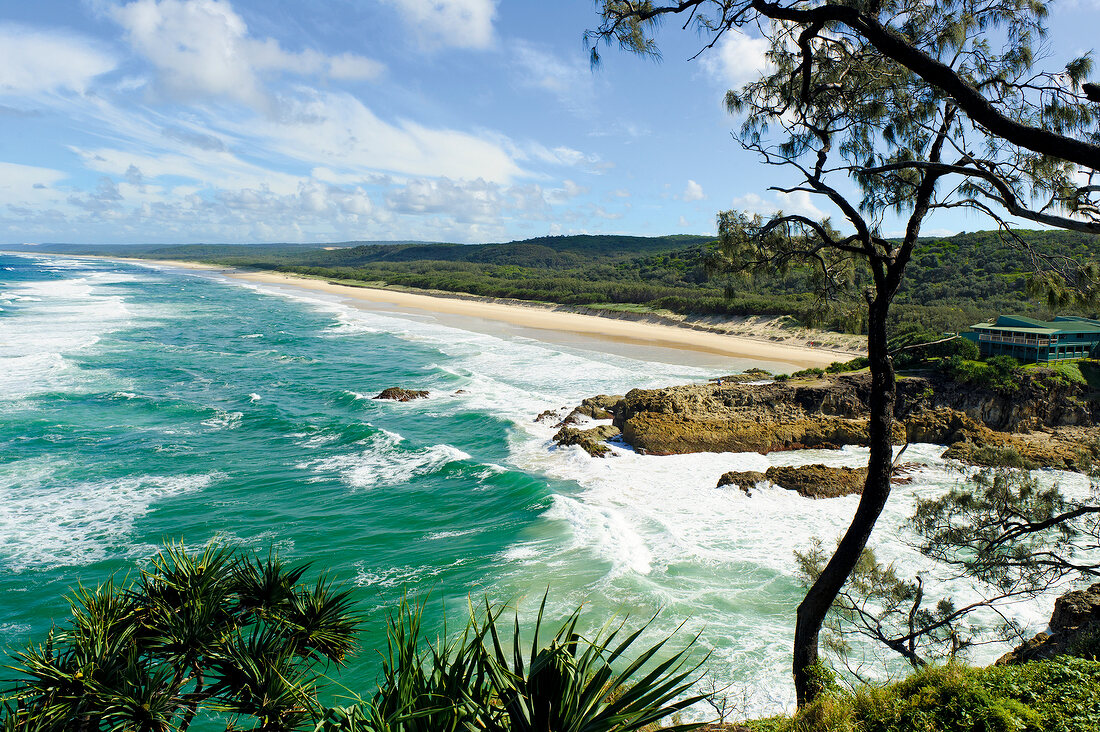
[{"x": 952, "y": 283}]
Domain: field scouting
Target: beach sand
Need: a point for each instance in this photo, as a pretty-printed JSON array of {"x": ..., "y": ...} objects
[{"x": 627, "y": 335}]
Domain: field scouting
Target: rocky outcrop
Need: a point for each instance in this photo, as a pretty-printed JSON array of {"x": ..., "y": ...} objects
[
  {"x": 970, "y": 441},
  {"x": 746, "y": 480},
  {"x": 597, "y": 407},
  {"x": 1074, "y": 629},
  {"x": 1037, "y": 401},
  {"x": 818, "y": 481},
  {"x": 810, "y": 481},
  {"x": 741, "y": 414},
  {"x": 592, "y": 440},
  {"x": 402, "y": 395},
  {"x": 673, "y": 434}
]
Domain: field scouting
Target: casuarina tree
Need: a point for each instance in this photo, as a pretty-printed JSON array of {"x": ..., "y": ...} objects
[{"x": 892, "y": 108}]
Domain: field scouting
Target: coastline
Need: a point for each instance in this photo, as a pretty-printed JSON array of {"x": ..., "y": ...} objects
[{"x": 758, "y": 341}]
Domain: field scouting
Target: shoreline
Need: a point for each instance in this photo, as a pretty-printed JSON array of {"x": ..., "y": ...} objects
[{"x": 630, "y": 331}]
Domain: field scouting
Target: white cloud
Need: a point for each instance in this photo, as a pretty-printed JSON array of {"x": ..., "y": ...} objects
[
  {"x": 568, "y": 190},
  {"x": 693, "y": 192},
  {"x": 737, "y": 59},
  {"x": 464, "y": 201},
  {"x": 351, "y": 67},
  {"x": 799, "y": 202},
  {"x": 210, "y": 168},
  {"x": 195, "y": 138},
  {"x": 562, "y": 155},
  {"x": 42, "y": 61},
  {"x": 337, "y": 131},
  {"x": 201, "y": 48},
  {"x": 25, "y": 184},
  {"x": 450, "y": 23}
]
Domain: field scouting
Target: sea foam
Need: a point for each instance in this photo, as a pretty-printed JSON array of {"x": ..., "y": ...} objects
[
  {"x": 48, "y": 521},
  {"x": 382, "y": 460}
]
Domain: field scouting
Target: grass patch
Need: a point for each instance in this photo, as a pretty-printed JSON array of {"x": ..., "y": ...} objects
[{"x": 1069, "y": 371}]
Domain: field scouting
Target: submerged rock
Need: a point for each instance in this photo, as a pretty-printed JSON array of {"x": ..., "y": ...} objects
[
  {"x": 402, "y": 395},
  {"x": 547, "y": 415}
]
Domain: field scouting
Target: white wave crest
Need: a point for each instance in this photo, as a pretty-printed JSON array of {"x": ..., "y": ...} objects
[
  {"x": 383, "y": 462},
  {"x": 48, "y": 522}
]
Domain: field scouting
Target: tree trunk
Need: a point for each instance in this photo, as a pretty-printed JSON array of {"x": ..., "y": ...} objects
[{"x": 820, "y": 597}]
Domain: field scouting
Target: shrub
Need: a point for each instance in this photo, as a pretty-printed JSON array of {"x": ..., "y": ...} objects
[
  {"x": 1000, "y": 373},
  {"x": 857, "y": 363},
  {"x": 1060, "y": 695}
]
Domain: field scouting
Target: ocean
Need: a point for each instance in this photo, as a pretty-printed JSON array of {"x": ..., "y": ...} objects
[{"x": 141, "y": 404}]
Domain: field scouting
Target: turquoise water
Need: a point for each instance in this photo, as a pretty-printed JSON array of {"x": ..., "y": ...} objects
[{"x": 140, "y": 405}]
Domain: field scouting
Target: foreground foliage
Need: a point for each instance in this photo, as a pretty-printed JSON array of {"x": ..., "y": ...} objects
[
  {"x": 479, "y": 681},
  {"x": 216, "y": 630},
  {"x": 1061, "y": 695},
  {"x": 221, "y": 634},
  {"x": 1008, "y": 535}
]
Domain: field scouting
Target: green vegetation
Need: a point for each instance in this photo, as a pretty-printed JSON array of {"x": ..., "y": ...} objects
[
  {"x": 1061, "y": 695},
  {"x": 223, "y": 634},
  {"x": 218, "y": 633},
  {"x": 195, "y": 633},
  {"x": 952, "y": 283},
  {"x": 999, "y": 373},
  {"x": 479, "y": 681}
]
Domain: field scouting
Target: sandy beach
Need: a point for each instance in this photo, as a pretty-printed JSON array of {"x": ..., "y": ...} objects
[{"x": 546, "y": 322}]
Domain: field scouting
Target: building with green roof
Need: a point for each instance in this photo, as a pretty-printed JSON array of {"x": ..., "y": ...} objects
[{"x": 1066, "y": 338}]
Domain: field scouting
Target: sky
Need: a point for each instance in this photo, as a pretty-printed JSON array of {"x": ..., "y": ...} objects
[{"x": 237, "y": 121}]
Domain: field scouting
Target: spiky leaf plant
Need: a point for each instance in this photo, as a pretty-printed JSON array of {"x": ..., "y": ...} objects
[
  {"x": 217, "y": 630},
  {"x": 479, "y": 682}
]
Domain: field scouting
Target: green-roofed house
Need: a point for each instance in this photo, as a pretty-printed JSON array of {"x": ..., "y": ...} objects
[{"x": 1065, "y": 338}]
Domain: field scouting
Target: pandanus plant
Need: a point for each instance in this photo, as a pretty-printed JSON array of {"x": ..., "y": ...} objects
[
  {"x": 217, "y": 631},
  {"x": 478, "y": 682}
]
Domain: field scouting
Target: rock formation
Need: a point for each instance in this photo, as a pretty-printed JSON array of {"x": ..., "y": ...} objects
[
  {"x": 982, "y": 427},
  {"x": 810, "y": 481},
  {"x": 592, "y": 440},
  {"x": 1074, "y": 629},
  {"x": 401, "y": 395}
]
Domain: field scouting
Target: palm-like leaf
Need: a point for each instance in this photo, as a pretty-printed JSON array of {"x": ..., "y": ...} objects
[
  {"x": 264, "y": 585},
  {"x": 478, "y": 682},
  {"x": 569, "y": 684},
  {"x": 259, "y": 676},
  {"x": 197, "y": 630},
  {"x": 321, "y": 622},
  {"x": 443, "y": 687}
]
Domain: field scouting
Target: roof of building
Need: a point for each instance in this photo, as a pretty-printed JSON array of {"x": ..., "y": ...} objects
[{"x": 1061, "y": 324}]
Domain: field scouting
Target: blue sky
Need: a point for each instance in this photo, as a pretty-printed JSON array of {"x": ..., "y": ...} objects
[{"x": 446, "y": 120}]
